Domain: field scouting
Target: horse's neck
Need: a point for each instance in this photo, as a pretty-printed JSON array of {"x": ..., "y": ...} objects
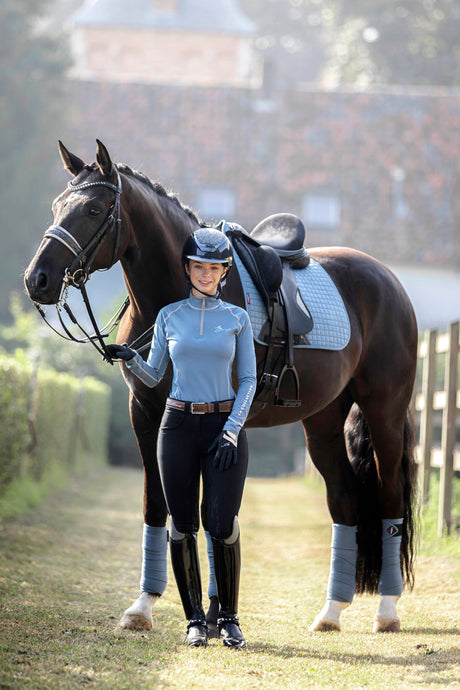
[{"x": 151, "y": 264}]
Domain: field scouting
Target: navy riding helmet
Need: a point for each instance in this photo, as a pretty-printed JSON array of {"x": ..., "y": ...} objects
[{"x": 209, "y": 245}]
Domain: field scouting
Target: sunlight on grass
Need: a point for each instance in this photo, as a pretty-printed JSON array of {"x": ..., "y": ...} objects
[
  {"x": 430, "y": 542},
  {"x": 69, "y": 568}
]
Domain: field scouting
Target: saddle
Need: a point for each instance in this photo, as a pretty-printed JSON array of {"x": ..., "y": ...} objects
[{"x": 271, "y": 254}]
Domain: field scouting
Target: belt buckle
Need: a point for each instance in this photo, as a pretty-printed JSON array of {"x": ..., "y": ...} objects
[{"x": 192, "y": 408}]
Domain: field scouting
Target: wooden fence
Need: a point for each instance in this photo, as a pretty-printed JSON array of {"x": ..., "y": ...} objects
[{"x": 427, "y": 402}]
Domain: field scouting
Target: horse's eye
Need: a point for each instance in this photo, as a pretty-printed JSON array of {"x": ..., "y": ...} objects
[{"x": 93, "y": 211}]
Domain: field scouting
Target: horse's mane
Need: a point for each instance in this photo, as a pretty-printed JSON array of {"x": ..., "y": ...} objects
[{"x": 158, "y": 188}]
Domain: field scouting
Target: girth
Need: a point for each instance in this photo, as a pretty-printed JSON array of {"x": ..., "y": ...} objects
[{"x": 271, "y": 266}]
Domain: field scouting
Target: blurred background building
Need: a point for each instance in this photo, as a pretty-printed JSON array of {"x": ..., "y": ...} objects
[
  {"x": 179, "y": 91},
  {"x": 345, "y": 113},
  {"x": 246, "y": 109}
]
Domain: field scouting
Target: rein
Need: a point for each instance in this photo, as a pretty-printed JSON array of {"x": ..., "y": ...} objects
[{"x": 77, "y": 273}]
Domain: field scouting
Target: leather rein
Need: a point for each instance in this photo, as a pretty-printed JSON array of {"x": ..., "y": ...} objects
[{"x": 77, "y": 273}]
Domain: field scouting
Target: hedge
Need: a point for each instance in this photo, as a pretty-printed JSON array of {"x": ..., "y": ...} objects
[{"x": 52, "y": 424}]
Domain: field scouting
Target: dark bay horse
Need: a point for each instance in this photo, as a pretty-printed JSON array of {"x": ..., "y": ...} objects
[{"x": 354, "y": 402}]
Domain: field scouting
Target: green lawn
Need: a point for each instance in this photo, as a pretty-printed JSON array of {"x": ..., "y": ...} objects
[{"x": 70, "y": 568}]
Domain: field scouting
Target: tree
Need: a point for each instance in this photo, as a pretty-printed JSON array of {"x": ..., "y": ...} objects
[
  {"x": 397, "y": 42},
  {"x": 30, "y": 339},
  {"x": 293, "y": 38},
  {"x": 359, "y": 41},
  {"x": 33, "y": 63}
]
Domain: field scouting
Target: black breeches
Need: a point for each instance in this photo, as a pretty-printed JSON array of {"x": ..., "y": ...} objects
[{"x": 183, "y": 456}]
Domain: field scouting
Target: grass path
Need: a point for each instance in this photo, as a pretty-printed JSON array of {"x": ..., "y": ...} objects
[{"x": 70, "y": 568}]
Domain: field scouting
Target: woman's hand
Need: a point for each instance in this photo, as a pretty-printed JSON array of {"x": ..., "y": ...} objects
[
  {"x": 120, "y": 352},
  {"x": 226, "y": 450}
]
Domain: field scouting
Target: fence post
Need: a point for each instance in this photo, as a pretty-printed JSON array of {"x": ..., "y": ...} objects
[
  {"x": 448, "y": 432},
  {"x": 426, "y": 416}
]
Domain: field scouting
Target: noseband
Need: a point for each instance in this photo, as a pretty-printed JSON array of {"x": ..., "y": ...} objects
[{"x": 78, "y": 272}]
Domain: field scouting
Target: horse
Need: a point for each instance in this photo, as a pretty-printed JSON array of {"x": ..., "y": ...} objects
[{"x": 355, "y": 402}]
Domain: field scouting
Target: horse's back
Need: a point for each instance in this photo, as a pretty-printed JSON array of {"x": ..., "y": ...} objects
[
  {"x": 369, "y": 286},
  {"x": 381, "y": 315}
]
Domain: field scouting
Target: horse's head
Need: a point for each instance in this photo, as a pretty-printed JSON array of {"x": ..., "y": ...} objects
[{"x": 86, "y": 231}]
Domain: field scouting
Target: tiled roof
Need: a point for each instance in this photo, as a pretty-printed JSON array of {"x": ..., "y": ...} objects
[
  {"x": 389, "y": 158},
  {"x": 222, "y": 16}
]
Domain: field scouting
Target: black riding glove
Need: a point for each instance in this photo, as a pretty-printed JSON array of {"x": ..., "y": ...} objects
[
  {"x": 226, "y": 450},
  {"x": 120, "y": 352}
]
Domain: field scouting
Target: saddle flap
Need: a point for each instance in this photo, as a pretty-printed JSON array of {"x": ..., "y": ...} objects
[
  {"x": 262, "y": 263},
  {"x": 300, "y": 321},
  {"x": 275, "y": 281}
]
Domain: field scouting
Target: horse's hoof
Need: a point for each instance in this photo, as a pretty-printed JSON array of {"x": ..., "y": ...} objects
[
  {"x": 135, "y": 622},
  {"x": 327, "y": 619},
  {"x": 324, "y": 626},
  {"x": 139, "y": 615},
  {"x": 384, "y": 625},
  {"x": 386, "y": 619}
]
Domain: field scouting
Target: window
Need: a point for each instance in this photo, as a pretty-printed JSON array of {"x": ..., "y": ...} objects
[
  {"x": 321, "y": 211},
  {"x": 217, "y": 203}
]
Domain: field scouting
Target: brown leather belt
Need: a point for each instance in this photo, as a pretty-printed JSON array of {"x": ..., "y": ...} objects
[{"x": 200, "y": 407}]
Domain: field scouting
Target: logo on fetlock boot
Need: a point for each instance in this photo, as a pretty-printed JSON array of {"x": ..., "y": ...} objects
[{"x": 394, "y": 530}]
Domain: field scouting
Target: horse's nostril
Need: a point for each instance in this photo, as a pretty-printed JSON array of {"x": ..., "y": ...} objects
[{"x": 42, "y": 281}]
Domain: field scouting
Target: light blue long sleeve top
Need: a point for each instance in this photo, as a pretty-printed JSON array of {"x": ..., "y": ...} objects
[{"x": 202, "y": 336}]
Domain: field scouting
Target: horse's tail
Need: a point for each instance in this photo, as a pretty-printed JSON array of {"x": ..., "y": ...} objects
[{"x": 369, "y": 520}]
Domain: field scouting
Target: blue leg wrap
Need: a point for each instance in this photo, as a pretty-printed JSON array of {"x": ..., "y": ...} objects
[
  {"x": 212, "y": 585},
  {"x": 342, "y": 576},
  {"x": 391, "y": 580},
  {"x": 154, "y": 575}
]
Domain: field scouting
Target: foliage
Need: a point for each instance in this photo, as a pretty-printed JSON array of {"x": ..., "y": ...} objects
[
  {"x": 293, "y": 38},
  {"x": 32, "y": 340},
  {"x": 399, "y": 42},
  {"x": 430, "y": 542},
  {"x": 52, "y": 424},
  {"x": 273, "y": 451},
  {"x": 14, "y": 409},
  {"x": 33, "y": 62},
  {"x": 360, "y": 41}
]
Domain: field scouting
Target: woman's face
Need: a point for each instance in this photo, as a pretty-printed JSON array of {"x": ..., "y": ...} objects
[{"x": 205, "y": 276}]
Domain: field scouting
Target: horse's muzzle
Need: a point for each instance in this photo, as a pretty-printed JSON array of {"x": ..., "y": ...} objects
[{"x": 40, "y": 288}]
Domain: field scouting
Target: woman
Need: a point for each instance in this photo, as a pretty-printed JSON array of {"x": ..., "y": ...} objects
[{"x": 201, "y": 431}]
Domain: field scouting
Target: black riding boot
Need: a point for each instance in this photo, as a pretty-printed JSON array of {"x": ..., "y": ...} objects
[
  {"x": 227, "y": 564},
  {"x": 186, "y": 567}
]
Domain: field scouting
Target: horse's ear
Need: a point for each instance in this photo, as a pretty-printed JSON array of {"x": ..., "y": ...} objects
[
  {"x": 103, "y": 159},
  {"x": 71, "y": 163}
]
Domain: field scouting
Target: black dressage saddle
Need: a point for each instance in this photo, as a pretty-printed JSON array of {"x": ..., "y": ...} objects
[{"x": 271, "y": 253}]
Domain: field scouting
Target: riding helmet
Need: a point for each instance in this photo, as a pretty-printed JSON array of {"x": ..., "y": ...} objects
[{"x": 209, "y": 245}]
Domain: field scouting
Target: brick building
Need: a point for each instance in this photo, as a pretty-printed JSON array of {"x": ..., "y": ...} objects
[{"x": 175, "y": 90}]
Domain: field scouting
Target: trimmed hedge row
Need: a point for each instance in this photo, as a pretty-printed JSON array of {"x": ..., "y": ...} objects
[{"x": 51, "y": 424}]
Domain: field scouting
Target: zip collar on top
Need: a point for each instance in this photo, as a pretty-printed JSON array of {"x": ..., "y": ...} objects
[{"x": 204, "y": 302}]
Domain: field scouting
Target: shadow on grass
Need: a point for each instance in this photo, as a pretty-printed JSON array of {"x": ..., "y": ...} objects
[
  {"x": 421, "y": 656},
  {"x": 430, "y": 631}
]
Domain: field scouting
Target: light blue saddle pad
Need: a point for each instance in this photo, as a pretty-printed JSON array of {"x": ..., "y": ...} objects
[{"x": 331, "y": 325}]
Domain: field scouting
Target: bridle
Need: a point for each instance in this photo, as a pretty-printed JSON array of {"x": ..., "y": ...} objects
[{"x": 78, "y": 273}]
